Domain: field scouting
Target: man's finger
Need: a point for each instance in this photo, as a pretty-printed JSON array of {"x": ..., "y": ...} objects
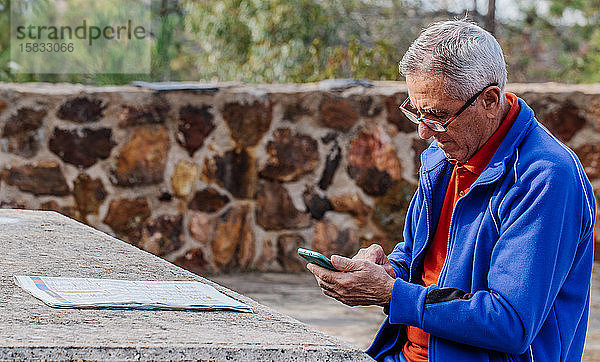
[
  {"x": 331, "y": 294},
  {"x": 317, "y": 270},
  {"x": 344, "y": 264},
  {"x": 326, "y": 286},
  {"x": 390, "y": 270},
  {"x": 321, "y": 274}
]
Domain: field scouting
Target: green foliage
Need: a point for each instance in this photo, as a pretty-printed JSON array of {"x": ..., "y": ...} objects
[
  {"x": 582, "y": 62},
  {"x": 245, "y": 40},
  {"x": 276, "y": 41}
]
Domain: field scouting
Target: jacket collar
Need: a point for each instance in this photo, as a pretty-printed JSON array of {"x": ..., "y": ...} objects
[{"x": 433, "y": 156}]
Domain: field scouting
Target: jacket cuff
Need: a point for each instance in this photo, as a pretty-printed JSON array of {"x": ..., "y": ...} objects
[
  {"x": 400, "y": 268},
  {"x": 407, "y": 303}
]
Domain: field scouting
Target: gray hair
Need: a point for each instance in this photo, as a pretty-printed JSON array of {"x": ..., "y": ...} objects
[{"x": 467, "y": 55}]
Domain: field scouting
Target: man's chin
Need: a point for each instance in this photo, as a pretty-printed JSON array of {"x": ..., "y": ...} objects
[
  {"x": 450, "y": 151},
  {"x": 447, "y": 147}
]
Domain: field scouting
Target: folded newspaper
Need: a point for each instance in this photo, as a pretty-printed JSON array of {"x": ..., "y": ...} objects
[{"x": 110, "y": 293}]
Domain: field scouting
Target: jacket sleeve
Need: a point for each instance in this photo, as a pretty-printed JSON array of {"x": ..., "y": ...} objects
[
  {"x": 401, "y": 256},
  {"x": 545, "y": 231}
]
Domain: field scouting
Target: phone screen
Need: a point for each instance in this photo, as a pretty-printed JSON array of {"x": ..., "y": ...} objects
[{"x": 316, "y": 258}]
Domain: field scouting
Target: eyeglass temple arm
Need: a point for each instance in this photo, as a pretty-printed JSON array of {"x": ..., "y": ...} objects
[{"x": 471, "y": 100}]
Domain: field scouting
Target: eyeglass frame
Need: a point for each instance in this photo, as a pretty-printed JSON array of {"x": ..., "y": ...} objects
[{"x": 438, "y": 126}]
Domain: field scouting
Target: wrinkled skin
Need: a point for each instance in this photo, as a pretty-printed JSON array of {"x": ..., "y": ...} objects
[
  {"x": 366, "y": 279},
  {"x": 470, "y": 130}
]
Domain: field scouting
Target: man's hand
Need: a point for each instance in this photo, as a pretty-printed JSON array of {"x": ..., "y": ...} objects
[
  {"x": 359, "y": 281},
  {"x": 376, "y": 254}
]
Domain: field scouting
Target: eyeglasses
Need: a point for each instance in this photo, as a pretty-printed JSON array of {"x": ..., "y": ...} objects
[{"x": 414, "y": 115}]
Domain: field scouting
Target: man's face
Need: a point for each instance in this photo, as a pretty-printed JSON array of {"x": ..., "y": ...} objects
[{"x": 465, "y": 134}]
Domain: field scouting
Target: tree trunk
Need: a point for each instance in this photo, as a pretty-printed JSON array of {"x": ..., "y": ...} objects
[{"x": 490, "y": 19}]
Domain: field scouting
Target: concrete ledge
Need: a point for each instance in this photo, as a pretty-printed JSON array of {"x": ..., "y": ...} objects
[{"x": 46, "y": 243}]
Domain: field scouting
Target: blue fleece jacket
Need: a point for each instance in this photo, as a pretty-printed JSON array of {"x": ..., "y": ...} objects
[{"x": 515, "y": 285}]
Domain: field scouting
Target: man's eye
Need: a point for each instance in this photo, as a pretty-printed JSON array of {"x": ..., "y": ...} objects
[{"x": 435, "y": 114}]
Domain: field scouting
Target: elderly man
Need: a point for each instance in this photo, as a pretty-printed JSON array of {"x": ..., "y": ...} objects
[{"x": 496, "y": 259}]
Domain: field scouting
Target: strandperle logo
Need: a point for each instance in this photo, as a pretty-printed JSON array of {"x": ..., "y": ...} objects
[
  {"x": 80, "y": 36},
  {"x": 82, "y": 32}
]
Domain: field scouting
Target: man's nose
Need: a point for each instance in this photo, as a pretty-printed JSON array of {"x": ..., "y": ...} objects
[{"x": 425, "y": 132}]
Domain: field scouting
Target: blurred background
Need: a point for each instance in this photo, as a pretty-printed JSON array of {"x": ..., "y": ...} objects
[{"x": 282, "y": 41}]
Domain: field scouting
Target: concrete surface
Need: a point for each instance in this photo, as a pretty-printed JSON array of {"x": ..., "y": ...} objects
[
  {"x": 46, "y": 243},
  {"x": 298, "y": 296}
]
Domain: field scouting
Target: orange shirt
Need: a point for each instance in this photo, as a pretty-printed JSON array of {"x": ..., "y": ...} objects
[{"x": 463, "y": 176}]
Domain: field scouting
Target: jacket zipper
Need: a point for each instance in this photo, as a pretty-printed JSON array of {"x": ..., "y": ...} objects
[
  {"x": 451, "y": 230},
  {"x": 448, "y": 245},
  {"x": 427, "y": 197},
  {"x": 431, "y": 342}
]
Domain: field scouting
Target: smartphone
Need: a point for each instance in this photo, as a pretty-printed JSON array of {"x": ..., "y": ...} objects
[{"x": 316, "y": 258}]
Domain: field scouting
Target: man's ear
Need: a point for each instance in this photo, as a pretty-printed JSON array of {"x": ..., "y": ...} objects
[{"x": 491, "y": 98}]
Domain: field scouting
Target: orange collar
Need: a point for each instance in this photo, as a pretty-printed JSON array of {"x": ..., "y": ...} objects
[{"x": 477, "y": 163}]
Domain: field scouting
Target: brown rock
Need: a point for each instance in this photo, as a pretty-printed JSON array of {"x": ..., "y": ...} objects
[
  {"x": 592, "y": 112},
  {"x": 229, "y": 235},
  {"x": 419, "y": 145},
  {"x": 395, "y": 115},
  {"x": 25, "y": 145},
  {"x": 589, "y": 154},
  {"x": 43, "y": 178},
  {"x": 126, "y": 217},
  {"x": 390, "y": 210},
  {"x": 266, "y": 261},
  {"x": 275, "y": 209},
  {"x": 202, "y": 227},
  {"x": 81, "y": 147},
  {"x": 352, "y": 204},
  {"x": 208, "y": 200},
  {"x": 316, "y": 203},
  {"x": 563, "y": 118},
  {"x": 184, "y": 177},
  {"x": 295, "y": 108},
  {"x": 162, "y": 235},
  {"x": 233, "y": 233},
  {"x": 287, "y": 252},
  {"x": 195, "y": 261},
  {"x": 69, "y": 211},
  {"x": 247, "y": 249},
  {"x": 330, "y": 240},
  {"x": 134, "y": 115},
  {"x": 25, "y": 120},
  {"x": 290, "y": 156},
  {"x": 248, "y": 123},
  {"x": 337, "y": 112},
  {"x": 368, "y": 106},
  {"x": 235, "y": 171},
  {"x": 51, "y": 205},
  {"x": 195, "y": 124},
  {"x": 89, "y": 194},
  {"x": 331, "y": 165},
  {"x": 13, "y": 204},
  {"x": 373, "y": 162},
  {"x": 2, "y": 105},
  {"x": 142, "y": 159},
  {"x": 82, "y": 109},
  {"x": 21, "y": 132}
]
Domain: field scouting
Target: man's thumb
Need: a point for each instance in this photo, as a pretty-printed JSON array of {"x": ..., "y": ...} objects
[{"x": 343, "y": 264}]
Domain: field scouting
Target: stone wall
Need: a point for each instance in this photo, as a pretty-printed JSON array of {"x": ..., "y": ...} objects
[{"x": 239, "y": 177}]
